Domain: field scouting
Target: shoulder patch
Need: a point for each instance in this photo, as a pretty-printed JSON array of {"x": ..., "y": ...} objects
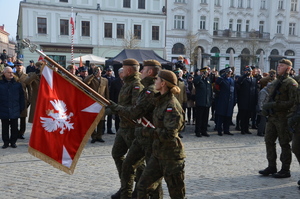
[
  {"x": 148, "y": 92},
  {"x": 136, "y": 87},
  {"x": 294, "y": 84},
  {"x": 169, "y": 109}
]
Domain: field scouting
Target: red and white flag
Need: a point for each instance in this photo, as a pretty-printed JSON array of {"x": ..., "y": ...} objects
[
  {"x": 41, "y": 58},
  {"x": 72, "y": 22},
  {"x": 64, "y": 119},
  {"x": 187, "y": 61}
]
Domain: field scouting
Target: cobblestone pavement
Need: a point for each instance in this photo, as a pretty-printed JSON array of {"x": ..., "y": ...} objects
[{"x": 216, "y": 167}]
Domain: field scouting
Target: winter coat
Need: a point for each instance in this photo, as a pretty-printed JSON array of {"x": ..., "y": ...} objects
[
  {"x": 247, "y": 93},
  {"x": 203, "y": 91},
  {"x": 12, "y": 101}
]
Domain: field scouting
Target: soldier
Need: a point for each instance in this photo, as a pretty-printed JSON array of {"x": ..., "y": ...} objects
[
  {"x": 127, "y": 97},
  {"x": 142, "y": 144},
  {"x": 100, "y": 85},
  {"x": 167, "y": 159},
  {"x": 282, "y": 98}
]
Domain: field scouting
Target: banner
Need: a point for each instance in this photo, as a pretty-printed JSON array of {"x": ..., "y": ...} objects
[{"x": 64, "y": 120}]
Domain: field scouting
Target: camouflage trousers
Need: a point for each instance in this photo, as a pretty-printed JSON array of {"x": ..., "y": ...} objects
[
  {"x": 296, "y": 143},
  {"x": 277, "y": 127},
  {"x": 133, "y": 167},
  {"x": 123, "y": 141},
  {"x": 171, "y": 170}
]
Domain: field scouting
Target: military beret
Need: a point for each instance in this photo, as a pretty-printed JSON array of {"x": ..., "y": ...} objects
[
  {"x": 130, "y": 62},
  {"x": 18, "y": 63},
  {"x": 168, "y": 76},
  {"x": 286, "y": 61},
  {"x": 151, "y": 62}
]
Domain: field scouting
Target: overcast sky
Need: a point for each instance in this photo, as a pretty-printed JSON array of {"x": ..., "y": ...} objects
[{"x": 9, "y": 16}]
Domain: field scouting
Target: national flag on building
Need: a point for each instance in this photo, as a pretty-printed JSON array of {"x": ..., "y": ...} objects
[
  {"x": 64, "y": 119},
  {"x": 187, "y": 61},
  {"x": 72, "y": 22}
]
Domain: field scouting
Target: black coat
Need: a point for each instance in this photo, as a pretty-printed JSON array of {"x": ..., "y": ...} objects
[
  {"x": 115, "y": 88},
  {"x": 226, "y": 97},
  {"x": 247, "y": 93},
  {"x": 12, "y": 101},
  {"x": 203, "y": 91}
]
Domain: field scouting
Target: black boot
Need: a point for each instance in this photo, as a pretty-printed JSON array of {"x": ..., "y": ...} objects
[
  {"x": 116, "y": 195},
  {"x": 267, "y": 171}
]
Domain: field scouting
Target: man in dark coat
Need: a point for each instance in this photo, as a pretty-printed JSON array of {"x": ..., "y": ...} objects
[
  {"x": 203, "y": 102},
  {"x": 246, "y": 98},
  {"x": 226, "y": 101},
  {"x": 12, "y": 103}
]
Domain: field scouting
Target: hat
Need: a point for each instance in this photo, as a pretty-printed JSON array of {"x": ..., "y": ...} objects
[
  {"x": 82, "y": 69},
  {"x": 39, "y": 64},
  {"x": 168, "y": 76},
  {"x": 31, "y": 61},
  {"x": 4, "y": 50},
  {"x": 286, "y": 61},
  {"x": 151, "y": 62},
  {"x": 225, "y": 70},
  {"x": 110, "y": 68},
  {"x": 18, "y": 63},
  {"x": 248, "y": 68},
  {"x": 204, "y": 69},
  {"x": 130, "y": 62}
]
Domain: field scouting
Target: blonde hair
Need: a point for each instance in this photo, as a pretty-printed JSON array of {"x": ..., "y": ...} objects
[{"x": 173, "y": 88}]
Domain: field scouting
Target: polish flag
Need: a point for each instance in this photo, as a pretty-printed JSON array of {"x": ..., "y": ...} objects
[
  {"x": 72, "y": 24},
  {"x": 187, "y": 61},
  {"x": 64, "y": 119}
]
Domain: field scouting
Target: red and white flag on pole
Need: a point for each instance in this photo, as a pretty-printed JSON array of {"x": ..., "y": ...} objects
[
  {"x": 72, "y": 22},
  {"x": 41, "y": 58},
  {"x": 64, "y": 119},
  {"x": 187, "y": 61}
]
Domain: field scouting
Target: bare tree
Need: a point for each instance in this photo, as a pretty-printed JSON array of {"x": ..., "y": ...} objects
[
  {"x": 190, "y": 46},
  {"x": 130, "y": 41},
  {"x": 253, "y": 47}
]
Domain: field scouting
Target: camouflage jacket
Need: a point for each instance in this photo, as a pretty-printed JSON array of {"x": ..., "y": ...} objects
[
  {"x": 169, "y": 120},
  {"x": 128, "y": 96}
]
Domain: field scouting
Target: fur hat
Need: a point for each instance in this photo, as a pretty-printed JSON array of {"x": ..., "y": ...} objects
[
  {"x": 151, "y": 62},
  {"x": 130, "y": 62},
  {"x": 286, "y": 61},
  {"x": 168, "y": 76}
]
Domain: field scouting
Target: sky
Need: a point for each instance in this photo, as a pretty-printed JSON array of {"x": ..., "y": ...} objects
[{"x": 9, "y": 16}]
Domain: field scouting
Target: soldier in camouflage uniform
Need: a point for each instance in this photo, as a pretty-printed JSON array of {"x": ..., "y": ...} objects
[
  {"x": 167, "y": 159},
  {"x": 127, "y": 97},
  {"x": 141, "y": 147},
  {"x": 282, "y": 98}
]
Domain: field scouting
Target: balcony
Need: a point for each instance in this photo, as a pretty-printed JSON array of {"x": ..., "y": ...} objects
[{"x": 252, "y": 35}]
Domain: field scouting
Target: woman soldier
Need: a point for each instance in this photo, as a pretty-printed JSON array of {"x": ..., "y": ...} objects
[{"x": 167, "y": 159}]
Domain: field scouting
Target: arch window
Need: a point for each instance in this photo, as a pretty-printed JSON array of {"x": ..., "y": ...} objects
[{"x": 178, "y": 49}]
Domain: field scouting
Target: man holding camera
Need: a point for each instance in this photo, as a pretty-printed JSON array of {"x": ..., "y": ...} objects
[{"x": 282, "y": 98}]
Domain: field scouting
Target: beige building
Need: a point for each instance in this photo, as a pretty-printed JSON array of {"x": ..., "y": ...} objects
[{"x": 9, "y": 46}]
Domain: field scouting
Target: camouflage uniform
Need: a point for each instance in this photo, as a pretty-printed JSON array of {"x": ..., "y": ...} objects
[
  {"x": 167, "y": 159},
  {"x": 277, "y": 121},
  {"x": 125, "y": 135},
  {"x": 141, "y": 147}
]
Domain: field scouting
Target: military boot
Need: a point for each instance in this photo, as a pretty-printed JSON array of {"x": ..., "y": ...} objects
[
  {"x": 282, "y": 174},
  {"x": 117, "y": 195},
  {"x": 267, "y": 171}
]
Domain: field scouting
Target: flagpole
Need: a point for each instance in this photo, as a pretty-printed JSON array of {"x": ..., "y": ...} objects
[{"x": 72, "y": 38}]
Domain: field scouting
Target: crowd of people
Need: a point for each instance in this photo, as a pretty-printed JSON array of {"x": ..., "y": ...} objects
[{"x": 162, "y": 102}]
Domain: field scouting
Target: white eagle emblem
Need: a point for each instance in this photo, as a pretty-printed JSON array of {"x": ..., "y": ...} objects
[{"x": 58, "y": 119}]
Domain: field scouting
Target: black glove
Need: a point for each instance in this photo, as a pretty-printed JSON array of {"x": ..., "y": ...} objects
[
  {"x": 269, "y": 105},
  {"x": 113, "y": 106}
]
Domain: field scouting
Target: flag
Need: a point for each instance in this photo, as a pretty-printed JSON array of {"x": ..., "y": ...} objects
[
  {"x": 41, "y": 58},
  {"x": 80, "y": 62},
  {"x": 72, "y": 24},
  {"x": 64, "y": 119},
  {"x": 187, "y": 61}
]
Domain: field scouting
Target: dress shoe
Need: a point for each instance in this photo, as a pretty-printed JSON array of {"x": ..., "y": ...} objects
[
  {"x": 299, "y": 182},
  {"x": 205, "y": 134},
  {"x": 93, "y": 141},
  {"x": 179, "y": 135},
  {"x": 228, "y": 133},
  {"x": 220, "y": 134},
  {"x": 198, "y": 135},
  {"x": 100, "y": 140},
  {"x": 116, "y": 195},
  {"x": 260, "y": 134},
  {"x": 4, "y": 146},
  {"x": 13, "y": 145},
  {"x": 110, "y": 132},
  {"x": 254, "y": 127},
  {"x": 188, "y": 123},
  {"x": 267, "y": 171},
  {"x": 21, "y": 137},
  {"x": 237, "y": 128},
  {"x": 248, "y": 132},
  {"x": 243, "y": 132},
  {"x": 282, "y": 174}
]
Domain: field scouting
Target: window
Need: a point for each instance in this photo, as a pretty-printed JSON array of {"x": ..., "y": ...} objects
[
  {"x": 248, "y": 3},
  {"x": 217, "y": 2},
  {"x": 279, "y": 27},
  {"x": 61, "y": 60},
  {"x": 239, "y": 25},
  {"x": 42, "y": 25},
  {"x": 289, "y": 53},
  {"x": 126, "y": 3},
  {"x": 263, "y": 4},
  {"x": 231, "y": 3},
  {"x": 138, "y": 31},
  {"x": 180, "y": 1},
  {"x": 261, "y": 26},
  {"x": 65, "y": 1},
  {"x": 120, "y": 31},
  {"x": 178, "y": 22},
  {"x": 280, "y": 4},
  {"x": 230, "y": 24},
  {"x": 85, "y": 28},
  {"x": 247, "y": 25},
  {"x": 240, "y": 3},
  {"x": 292, "y": 27},
  {"x": 178, "y": 49},
  {"x": 203, "y": 1},
  {"x": 155, "y": 32},
  {"x": 293, "y": 5},
  {"x": 216, "y": 24},
  {"x": 202, "y": 22},
  {"x": 108, "y": 30},
  {"x": 64, "y": 27},
  {"x": 141, "y": 4}
]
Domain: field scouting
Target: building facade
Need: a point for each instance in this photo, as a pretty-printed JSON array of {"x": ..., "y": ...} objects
[
  {"x": 5, "y": 44},
  {"x": 103, "y": 28},
  {"x": 246, "y": 27}
]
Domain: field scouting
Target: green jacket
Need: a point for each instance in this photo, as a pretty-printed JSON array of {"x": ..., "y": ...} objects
[{"x": 169, "y": 120}]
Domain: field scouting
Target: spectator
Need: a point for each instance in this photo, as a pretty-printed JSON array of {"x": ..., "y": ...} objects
[
  {"x": 31, "y": 67},
  {"x": 4, "y": 55}
]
